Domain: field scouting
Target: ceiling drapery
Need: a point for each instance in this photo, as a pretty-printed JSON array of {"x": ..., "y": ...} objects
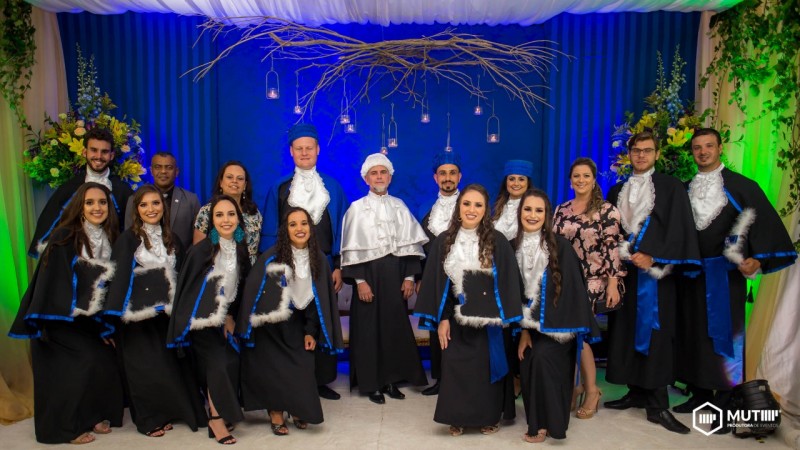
[{"x": 385, "y": 12}]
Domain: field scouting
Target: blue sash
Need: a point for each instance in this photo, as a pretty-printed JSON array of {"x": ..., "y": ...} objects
[
  {"x": 718, "y": 307},
  {"x": 646, "y": 310},
  {"x": 497, "y": 354}
]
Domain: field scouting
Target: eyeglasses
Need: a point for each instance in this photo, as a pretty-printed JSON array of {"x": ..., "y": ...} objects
[{"x": 642, "y": 151}]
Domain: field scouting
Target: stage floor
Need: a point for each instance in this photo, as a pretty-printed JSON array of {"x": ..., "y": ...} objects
[{"x": 355, "y": 423}]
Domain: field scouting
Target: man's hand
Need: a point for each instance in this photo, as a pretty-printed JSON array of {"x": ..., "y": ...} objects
[
  {"x": 444, "y": 333},
  {"x": 407, "y": 288},
  {"x": 364, "y": 292},
  {"x": 336, "y": 275},
  {"x": 642, "y": 260},
  {"x": 749, "y": 266}
]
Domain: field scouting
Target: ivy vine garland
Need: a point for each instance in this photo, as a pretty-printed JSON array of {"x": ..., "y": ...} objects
[{"x": 17, "y": 47}]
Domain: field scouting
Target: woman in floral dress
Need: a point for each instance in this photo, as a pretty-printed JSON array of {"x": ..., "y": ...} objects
[{"x": 593, "y": 227}]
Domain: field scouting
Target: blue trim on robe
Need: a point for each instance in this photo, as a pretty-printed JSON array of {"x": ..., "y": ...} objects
[
  {"x": 718, "y": 307},
  {"x": 255, "y": 302},
  {"x": 543, "y": 303},
  {"x": 732, "y": 200},
  {"x": 505, "y": 320},
  {"x": 180, "y": 341},
  {"x": 646, "y": 311}
]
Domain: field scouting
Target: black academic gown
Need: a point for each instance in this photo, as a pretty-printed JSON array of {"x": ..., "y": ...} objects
[
  {"x": 278, "y": 374},
  {"x": 468, "y": 396},
  {"x": 75, "y": 374},
  {"x": 435, "y": 347},
  {"x": 383, "y": 349},
  {"x": 668, "y": 235},
  {"x": 328, "y": 232},
  {"x": 51, "y": 214},
  {"x": 161, "y": 384},
  {"x": 698, "y": 362},
  {"x": 548, "y": 368},
  {"x": 197, "y": 319}
]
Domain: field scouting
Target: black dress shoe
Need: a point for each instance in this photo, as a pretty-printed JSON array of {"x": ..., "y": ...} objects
[
  {"x": 393, "y": 392},
  {"x": 668, "y": 421},
  {"x": 689, "y": 405},
  {"x": 377, "y": 397},
  {"x": 328, "y": 393},
  {"x": 627, "y": 401},
  {"x": 433, "y": 390}
]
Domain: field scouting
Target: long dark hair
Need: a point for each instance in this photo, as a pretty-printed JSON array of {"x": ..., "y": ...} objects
[
  {"x": 283, "y": 250},
  {"x": 502, "y": 197},
  {"x": 248, "y": 206},
  {"x": 548, "y": 236},
  {"x": 485, "y": 228},
  {"x": 242, "y": 254},
  {"x": 596, "y": 203},
  {"x": 72, "y": 221},
  {"x": 138, "y": 223}
]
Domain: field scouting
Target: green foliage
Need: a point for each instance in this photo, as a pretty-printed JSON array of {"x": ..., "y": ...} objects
[
  {"x": 760, "y": 48},
  {"x": 17, "y": 47}
]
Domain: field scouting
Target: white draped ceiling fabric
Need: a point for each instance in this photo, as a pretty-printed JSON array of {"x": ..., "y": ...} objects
[{"x": 386, "y": 12}]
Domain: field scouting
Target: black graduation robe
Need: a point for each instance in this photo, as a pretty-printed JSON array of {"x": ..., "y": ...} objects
[
  {"x": 712, "y": 357},
  {"x": 435, "y": 346},
  {"x": 471, "y": 393},
  {"x": 160, "y": 381},
  {"x": 668, "y": 235},
  {"x": 197, "y": 319},
  {"x": 272, "y": 331},
  {"x": 75, "y": 374},
  {"x": 557, "y": 329},
  {"x": 383, "y": 349},
  {"x": 51, "y": 214}
]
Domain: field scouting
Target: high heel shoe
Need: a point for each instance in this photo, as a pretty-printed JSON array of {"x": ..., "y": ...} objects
[
  {"x": 577, "y": 395},
  {"x": 586, "y": 413},
  {"x": 227, "y": 440}
]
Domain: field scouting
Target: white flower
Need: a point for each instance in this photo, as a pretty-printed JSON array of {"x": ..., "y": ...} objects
[
  {"x": 615, "y": 144},
  {"x": 54, "y": 171},
  {"x": 137, "y": 139},
  {"x": 80, "y": 123},
  {"x": 125, "y": 148}
]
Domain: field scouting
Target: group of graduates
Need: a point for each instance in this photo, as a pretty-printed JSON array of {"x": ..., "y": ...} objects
[{"x": 247, "y": 317}]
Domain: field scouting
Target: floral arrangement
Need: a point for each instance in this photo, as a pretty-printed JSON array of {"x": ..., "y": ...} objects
[
  {"x": 55, "y": 154},
  {"x": 672, "y": 122}
]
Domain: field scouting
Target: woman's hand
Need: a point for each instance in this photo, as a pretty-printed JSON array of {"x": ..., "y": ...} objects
[
  {"x": 110, "y": 341},
  {"x": 228, "y": 326},
  {"x": 407, "y": 288},
  {"x": 444, "y": 333},
  {"x": 642, "y": 260},
  {"x": 364, "y": 292},
  {"x": 524, "y": 342},
  {"x": 336, "y": 276},
  {"x": 612, "y": 293},
  {"x": 309, "y": 342}
]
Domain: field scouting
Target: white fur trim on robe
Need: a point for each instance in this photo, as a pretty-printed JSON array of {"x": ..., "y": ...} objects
[
  {"x": 150, "y": 311},
  {"x": 98, "y": 292},
  {"x": 735, "y": 252},
  {"x": 216, "y": 278}
]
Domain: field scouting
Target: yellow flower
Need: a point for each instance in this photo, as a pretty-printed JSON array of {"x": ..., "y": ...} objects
[
  {"x": 132, "y": 170},
  {"x": 75, "y": 145},
  {"x": 682, "y": 121},
  {"x": 53, "y": 142},
  {"x": 80, "y": 131},
  {"x": 125, "y": 148},
  {"x": 680, "y": 137},
  {"x": 62, "y": 116},
  {"x": 80, "y": 123},
  {"x": 54, "y": 171},
  {"x": 671, "y": 131}
]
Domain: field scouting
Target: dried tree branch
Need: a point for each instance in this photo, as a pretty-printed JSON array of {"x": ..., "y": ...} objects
[{"x": 445, "y": 55}]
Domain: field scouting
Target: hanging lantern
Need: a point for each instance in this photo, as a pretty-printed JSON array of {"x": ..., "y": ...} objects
[
  {"x": 350, "y": 127},
  {"x": 478, "y": 110},
  {"x": 447, "y": 147},
  {"x": 273, "y": 82},
  {"x": 425, "y": 116},
  {"x": 493, "y": 128},
  {"x": 384, "y": 150},
  {"x": 344, "y": 105},
  {"x": 297, "y": 108},
  {"x": 391, "y": 141}
]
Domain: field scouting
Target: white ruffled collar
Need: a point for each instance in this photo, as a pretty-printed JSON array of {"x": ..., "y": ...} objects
[
  {"x": 636, "y": 200},
  {"x": 463, "y": 254},
  {"x": 226, "y": 258},
  {"x": 98, "y": 241},
  {"x": 101, "y": 178},
  {"x": 507, "y": 222},
  {"x": 707, "y": 196},
  {"x": 532, "y": 257},
  {"x": 442, "y": 213},
  {"x": 308, "y": 191},
  {"x": 157, "y": 254}
]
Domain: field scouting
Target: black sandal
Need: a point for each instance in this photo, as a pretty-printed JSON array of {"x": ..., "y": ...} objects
[
  {"x": 227, "y": 440},
  {"x": 279, "y": 429}
]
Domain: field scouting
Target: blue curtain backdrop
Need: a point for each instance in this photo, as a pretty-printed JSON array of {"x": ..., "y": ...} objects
[{"x": 140, "y": 59}]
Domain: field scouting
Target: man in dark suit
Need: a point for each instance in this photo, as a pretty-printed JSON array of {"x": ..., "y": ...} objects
[
  {"x": 183, "y": 205},
  {"x": 98, "y": 149}
]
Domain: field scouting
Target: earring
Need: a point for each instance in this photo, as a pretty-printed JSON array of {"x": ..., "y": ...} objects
[
  {"x": 459, "y": 218},
  {"x": 238, "y": 235},
  {"x": 214, "y": 235}
]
